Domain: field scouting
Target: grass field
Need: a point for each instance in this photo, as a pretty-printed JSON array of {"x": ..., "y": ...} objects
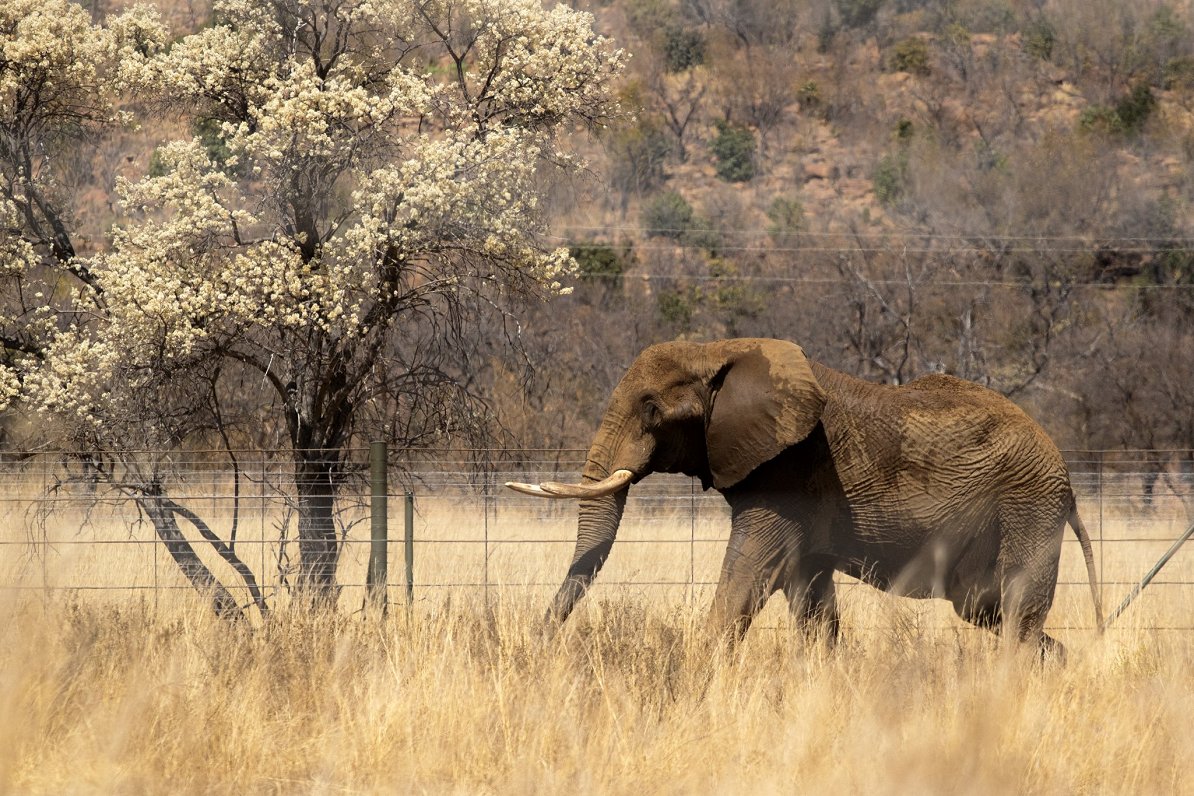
[
  {"x": 631, "y": 699},
  {"x": 143, "y": 691}
]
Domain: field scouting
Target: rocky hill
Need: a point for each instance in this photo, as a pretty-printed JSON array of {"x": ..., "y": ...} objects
[{"x": 996, "y": 189}]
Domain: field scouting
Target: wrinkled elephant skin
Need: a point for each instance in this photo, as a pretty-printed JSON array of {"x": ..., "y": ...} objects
[{"x": 936, "y": 488}]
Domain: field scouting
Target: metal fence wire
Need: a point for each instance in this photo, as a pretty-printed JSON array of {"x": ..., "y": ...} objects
[{"x": 70, "y": 526}]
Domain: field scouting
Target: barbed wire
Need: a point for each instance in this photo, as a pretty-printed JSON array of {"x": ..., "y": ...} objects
[
  {"x": 838, "y": 281},
  {"x": 722, "y": 247},
  {"x": 997, "y": 245},
  {"x": 278, "y": 462},
  {"x": 1187, "y": 241},
  {"x": 668, "y": 516}
]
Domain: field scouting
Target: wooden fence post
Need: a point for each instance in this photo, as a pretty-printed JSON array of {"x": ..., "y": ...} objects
[
  {"x": 378, "y": 524},
  {"x": 409, "y": 544}
]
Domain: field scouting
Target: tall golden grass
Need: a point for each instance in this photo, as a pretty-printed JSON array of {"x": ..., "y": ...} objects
[
  {"x": 462, "y": 693},
  {"x": 454, "y": 696}
]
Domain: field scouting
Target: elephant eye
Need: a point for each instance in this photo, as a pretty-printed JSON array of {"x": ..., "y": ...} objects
[{"x": 652, "y": 414}]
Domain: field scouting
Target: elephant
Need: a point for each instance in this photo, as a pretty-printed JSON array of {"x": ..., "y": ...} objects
[{"x": 936, "y": 488}]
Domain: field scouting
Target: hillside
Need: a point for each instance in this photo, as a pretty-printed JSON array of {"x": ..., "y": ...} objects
[
  {"x": 995, "y": 189},
  {"x": 871, "y": 122}
]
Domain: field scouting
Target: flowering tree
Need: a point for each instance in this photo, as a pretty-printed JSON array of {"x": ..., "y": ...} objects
[
  {"x": 52, "y": 62},
  {"x": 58, "y": 75},
  {"x": 366, "y": 180}
]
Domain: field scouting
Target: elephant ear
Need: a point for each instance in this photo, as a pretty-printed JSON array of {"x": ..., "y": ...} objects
[{"x": 768, "y": 400}]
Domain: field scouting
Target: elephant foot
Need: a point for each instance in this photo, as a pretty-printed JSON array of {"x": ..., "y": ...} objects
[
  {"x": 821, "y": 634},
  {"x": 1052, "y": 650}
]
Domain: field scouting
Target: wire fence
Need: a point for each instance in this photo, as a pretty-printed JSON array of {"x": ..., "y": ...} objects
[{"x": 72, "y": 530}]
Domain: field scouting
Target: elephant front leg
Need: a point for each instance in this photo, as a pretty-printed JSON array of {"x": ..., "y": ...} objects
[{"x": 751, "y": 571}]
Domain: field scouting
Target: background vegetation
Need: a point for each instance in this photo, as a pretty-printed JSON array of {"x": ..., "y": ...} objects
[{"x": 996, "y": 189}]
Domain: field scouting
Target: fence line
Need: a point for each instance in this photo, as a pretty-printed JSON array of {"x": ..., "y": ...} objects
[{"x": 63, "y": 529}]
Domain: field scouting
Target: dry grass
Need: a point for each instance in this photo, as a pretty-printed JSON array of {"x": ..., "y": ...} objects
[
  {"x": 120, "y": 692},
  {"x": 457, "y": 698}
]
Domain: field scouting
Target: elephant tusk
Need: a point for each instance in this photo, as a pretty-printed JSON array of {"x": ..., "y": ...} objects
[
  {"x": 529, "y": 489},
  {"x": 606, "y": 486},
  {"x": 552, "y": 489}
]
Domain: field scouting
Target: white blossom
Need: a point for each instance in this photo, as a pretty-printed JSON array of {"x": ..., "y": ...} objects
[{"x": 350, "y": 179}]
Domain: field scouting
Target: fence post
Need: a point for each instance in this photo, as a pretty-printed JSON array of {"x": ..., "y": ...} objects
[
  {"x": 485, "y": 531},
  {"x": 378, "y": 525},
  {"x": 45, "y": 541},
  {"x": 691, "y": 542},
  {"x": 1102, "y": 535},
  {"x": 261, "y": 491},
  {"x": 409, "y": 544}
]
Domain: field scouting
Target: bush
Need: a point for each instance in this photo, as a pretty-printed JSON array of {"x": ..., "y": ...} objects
[
  {"x": 982, "y": 16},
  {"x": 988, "y": 158},
  {"x": 662, "y": 27},
  {"x": 667, "y": 215},
  {"x": 596, "y": 261},
  {"x": 809, "y": 97},
  {"x": 1178, "y": 73},
  {"x": 787, "y": 219},
  {"x": 211, "y": 138},
  {"x": 1135, "y": 109},
  {"x": 683, "y": 48},
  {"x": 734, "y": 148},
  {"x": 649, "y": 15},
  {"x": 910, "y": 55},
  {"x": 826, "y": 32},
  {"x": 1038, "y": 38},
  {"x": 600, "y": 269},
  {"x": 675, "y": 308},
  {"x": 890, "y": 178},
  {"x": 1128, "y": 117},
  {"x": 637, "y": 153},
  {"x": 730, "y": 298},
  {"x": 702, "y": 235},
  {"x": 857, "y": 13},
  {"x": 1100, "y": 119},
  {"x": 157, "y": 167}
]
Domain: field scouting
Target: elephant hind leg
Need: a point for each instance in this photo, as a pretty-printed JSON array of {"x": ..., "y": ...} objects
[
  {"x": 1030, "y": 628},
  {"x": 996, "y": 608},
  {"x": 1052, "y": 649},
  {"x": 1029, "y": 571},
  {"x": 812, "y": 600},
  {"x": 980, "y": 607}
]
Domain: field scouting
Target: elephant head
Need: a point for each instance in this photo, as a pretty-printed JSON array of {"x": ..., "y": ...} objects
[{"x": 715, "y": 411}]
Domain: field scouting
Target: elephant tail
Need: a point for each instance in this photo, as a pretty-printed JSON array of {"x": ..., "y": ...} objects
[{"x": 1088, "y": 554}]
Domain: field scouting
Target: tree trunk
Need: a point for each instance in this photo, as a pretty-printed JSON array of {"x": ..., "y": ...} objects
[
  {"x": 225, "y": 552},
  {"x": 319, "y": 548},
  {"x": 166, "y": 526}
]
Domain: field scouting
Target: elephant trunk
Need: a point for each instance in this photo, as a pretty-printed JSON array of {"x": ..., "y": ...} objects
[
  {"x": 619, "y": 454},
  {"x": 613, "y": 461},
  {"x": 596, "y": 530}
]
